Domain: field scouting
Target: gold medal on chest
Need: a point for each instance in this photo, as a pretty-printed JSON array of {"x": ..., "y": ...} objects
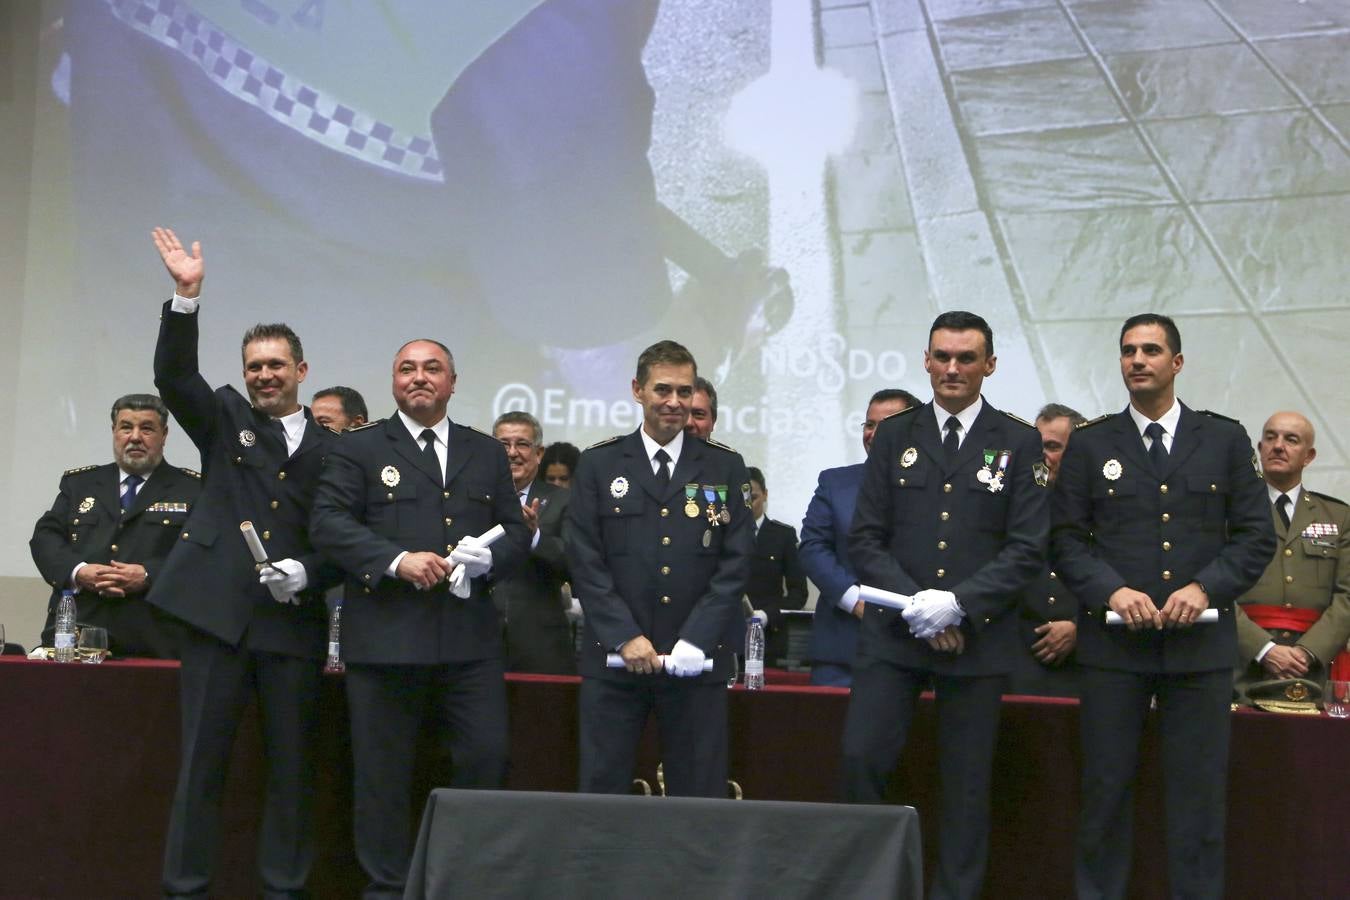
[
  {"x": 86, "y": 504},
  {"x": 909, "y": 457},
  {"x": 247, "y": 438}
]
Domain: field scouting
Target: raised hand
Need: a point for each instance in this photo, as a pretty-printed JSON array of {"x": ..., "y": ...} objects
[{"x": 186, "y": 270}]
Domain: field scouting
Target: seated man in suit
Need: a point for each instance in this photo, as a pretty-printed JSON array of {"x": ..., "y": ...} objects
[
  {"x": 111, "y": 528},
  {"x": 776, "y": 580},
  {"x": 339, "y": 408},
  {"x": 1294, "y": 622},
  {"x": 1048, "y": 613},
  {"x": 538, "y": 635},
  {"x": 824, "y": 553}
]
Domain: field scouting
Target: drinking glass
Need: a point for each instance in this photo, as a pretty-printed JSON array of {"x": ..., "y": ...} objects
[{"x": 93, "y": 644}]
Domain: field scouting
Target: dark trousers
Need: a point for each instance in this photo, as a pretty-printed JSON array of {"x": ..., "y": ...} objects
[
  {"x": 691, "y": 718},
  {"x": 880, "y": 710},
  {"x": 1193, "y": 711},
  {"x": 388, "y": 705},
  {"x": 825, "y": 674},
  {"x": 216, "y": 683}
]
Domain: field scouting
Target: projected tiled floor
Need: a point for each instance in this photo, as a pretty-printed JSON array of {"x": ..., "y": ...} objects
[{"x": 1186, "y": 156}]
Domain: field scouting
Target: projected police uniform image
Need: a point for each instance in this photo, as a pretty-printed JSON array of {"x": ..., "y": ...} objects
[{"x": 660, "y": 539}]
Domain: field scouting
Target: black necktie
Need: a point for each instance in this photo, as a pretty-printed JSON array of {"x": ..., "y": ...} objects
[
  {"x": 663, "y": 473},
  {"x": 1157, "y": 453},
  {"x": 429, "y": 453},
  {"x": 952, "y": 442},
  {"x": 133, "y": 483},
  {"x": 1282, "y": 507}
]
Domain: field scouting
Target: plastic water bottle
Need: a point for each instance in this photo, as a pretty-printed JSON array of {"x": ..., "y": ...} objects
[
  {"x": 335, "y": 663},
  {"x": 65, "y": 628},
  {"x": 754, "y": 654}
]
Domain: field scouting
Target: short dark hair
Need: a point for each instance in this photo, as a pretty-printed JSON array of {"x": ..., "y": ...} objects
[
  {"x": 886, "y": 394},
  {"x": 663, "y": 353},
  {"x": 353, "y": 404},
  {"x": 1060, "y": 411},
  {"x": 960, "y": 320},
  {"x": 139, "y": 402},
  {"x": 1165, "y": 322},
  {"x": 704, "y": 385},
  {"x": 261, "y": 332},
  {"x": 448, "y": 355},
  {"x": 757, "y": 477},
  {"x": 520, "y": 417},
  {"x": 560, "y": 452}
]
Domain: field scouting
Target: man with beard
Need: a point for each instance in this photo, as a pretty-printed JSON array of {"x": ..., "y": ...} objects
[
  {"x": 250, "y": 634},
  {"x": 538, "y": 635},
  {"x": 112, "y": 526},
  {"x": 398, "y": 504}
]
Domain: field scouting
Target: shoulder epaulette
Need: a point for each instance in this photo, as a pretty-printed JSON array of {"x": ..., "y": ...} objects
[
  {"x": 720, "y": 446},
  {"x": 1018, "y": 419},
  {"x": 1097, "y": 421},
  {"x": 606, "y": 442},
  {"x": 479, "y": 431},
  {"x": 901, "y": 412},
  {"x": 79, "y": 469},
  {"x": 1214, "y": 415},
  {"x": 191, "y": 473},
  {"x": 1327, "y": 497},
  {"x": 365, "y": 426}
]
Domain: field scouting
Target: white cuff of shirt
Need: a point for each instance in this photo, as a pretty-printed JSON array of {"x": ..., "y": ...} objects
[
  {"x": 534, "y": 541},
  {"x": 849, "y": 600},
  {"x": 392, "y": 571},
  {"x": 181, "y": 304},
  {"x": 73, "y": 572},
  {"x": 1264, "y": 650}
]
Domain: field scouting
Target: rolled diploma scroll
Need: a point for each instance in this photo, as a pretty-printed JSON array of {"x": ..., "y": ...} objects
[
  {"x": 256, "y": 548},
  {"x": 1209, "y": 615},
  {"x": 869, "y": 594},
  {"x": 615, "y": 661},
  {"x": 459, "y": 583}
]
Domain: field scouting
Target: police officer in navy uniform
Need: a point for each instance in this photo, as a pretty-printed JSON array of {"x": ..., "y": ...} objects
[
  {"x": 110, "y": 529},
  {"x": 659, "y": 543},
  {"x": 952, "y": 510},
  {"x": 249, "y": 633},
  {"x": 1158, "y": 515},
  {"x": 1048, "y": 613},
  {"x": 397, "y": 500}
]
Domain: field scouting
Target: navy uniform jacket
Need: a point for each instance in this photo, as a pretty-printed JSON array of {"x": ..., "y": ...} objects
[
  {"x": 210, "y": 579},
  {"x": 1046, "y": 599},
  {"x": 1118, "y": 524},
  {"x": 86, "y": 524},
  {"x": 824, "y": 558},
  {"x": 379, "y": 497},
  {"x": 776, "y": 581},
  {"x": 922, "y": 522},
  {"x": 538, "y": 635},
  {"x": 640, "y": 566}
]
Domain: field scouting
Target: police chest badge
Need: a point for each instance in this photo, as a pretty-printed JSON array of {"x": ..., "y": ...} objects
[
  {"x": 909, "y": 457},
  {"x": 1041, "y": 472},
  {"x": 389, "y": 475},
  {"x": 618, "y": 487},
  {"x": 1112, "y": 469},
  {"x": 247, "y": 438},
  {"x": 86, "y": 504}
]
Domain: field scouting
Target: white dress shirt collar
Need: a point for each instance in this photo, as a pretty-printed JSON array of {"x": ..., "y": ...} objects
[
  {"x": 966, "y": 417},
  {"x": 1167, "y": 420},
  {"x": 1293, "y": 493},
  {"x": 441, "y": 429},
  {"x": 672, "y": 449}
]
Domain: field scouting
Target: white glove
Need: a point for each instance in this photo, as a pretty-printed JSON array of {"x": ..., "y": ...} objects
[
  {"x": 459, "y": 582},
  {"x": 284, "y": 579},
  {"x": 476, "y": 560},
  {"x": 685, "y": 660},
  {"x": 931, "y": 611}
]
